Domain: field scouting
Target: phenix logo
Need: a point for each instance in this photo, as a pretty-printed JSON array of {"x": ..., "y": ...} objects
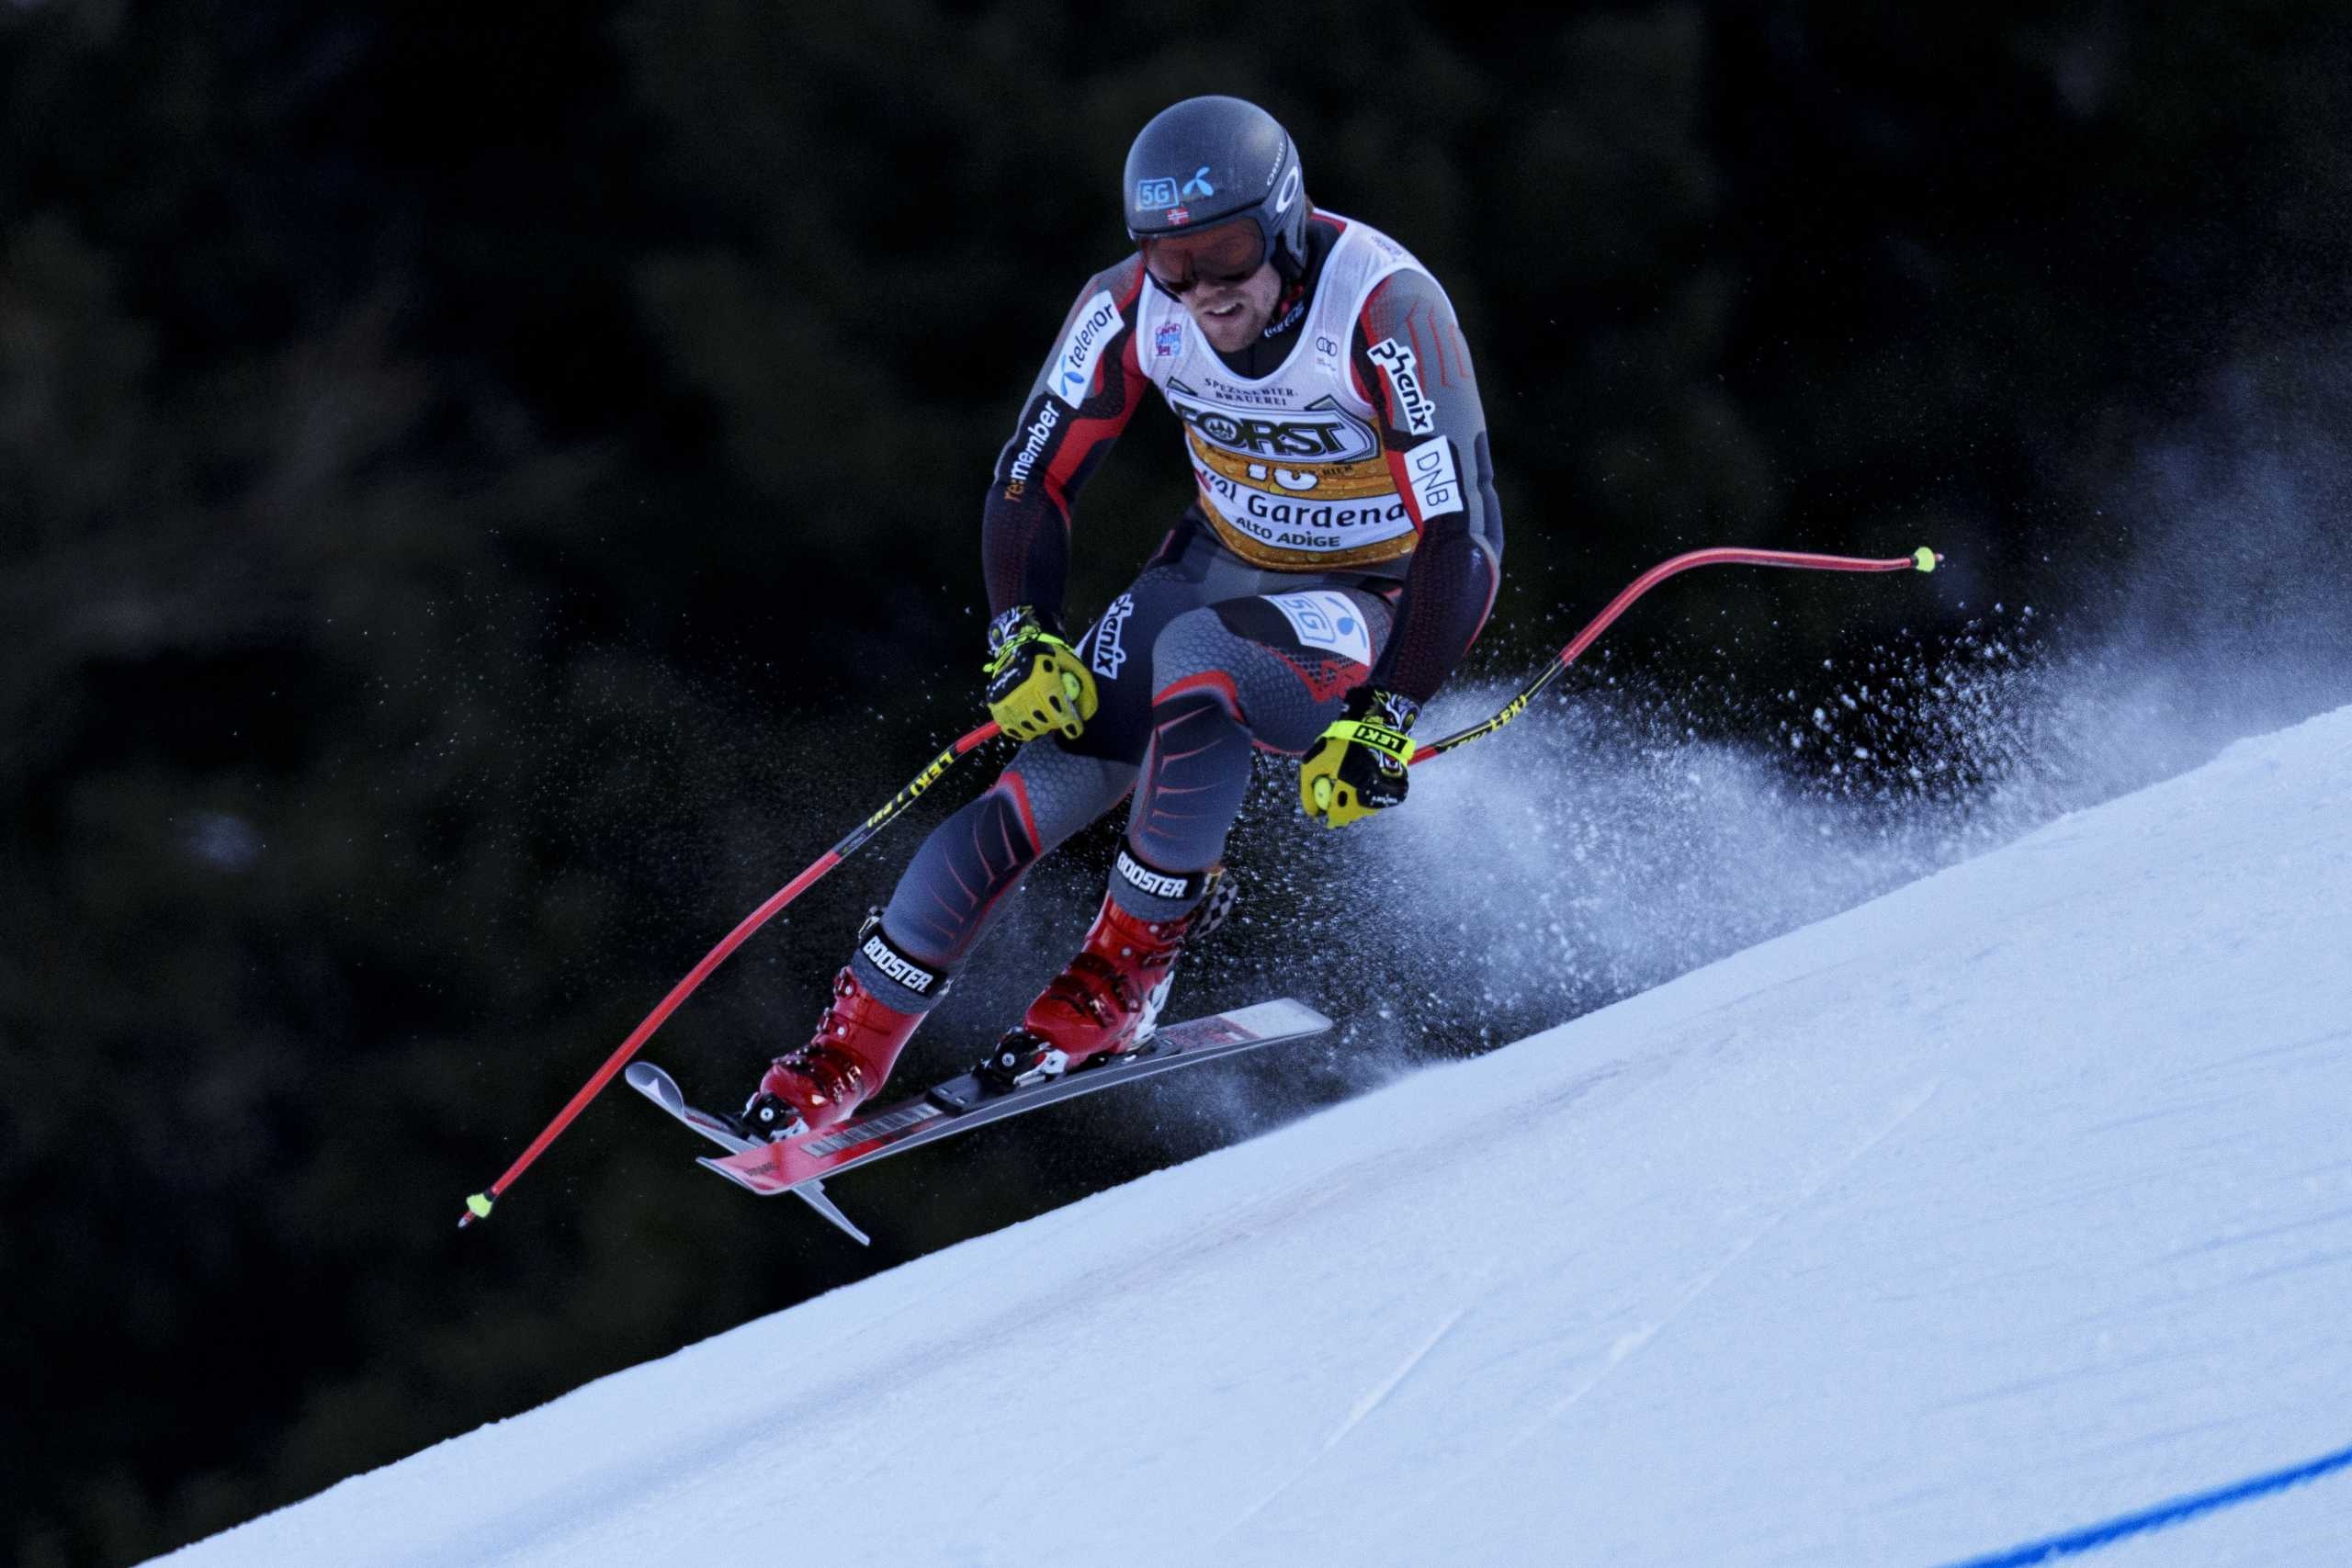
[
  {"x": 1110, "y": 652},
  {"x": 1024, "y": 460},
  {"x": 1398, "y": 363}
]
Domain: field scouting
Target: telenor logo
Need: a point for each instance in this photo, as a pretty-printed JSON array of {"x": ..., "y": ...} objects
[
  {"x": 1199, "y": 183},
  {"x": 1099, "y": 321}
]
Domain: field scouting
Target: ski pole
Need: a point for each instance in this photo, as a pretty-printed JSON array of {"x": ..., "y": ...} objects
[
  {"x": 1920, "y": 560},
  {"x": 478, "y": 1206}
]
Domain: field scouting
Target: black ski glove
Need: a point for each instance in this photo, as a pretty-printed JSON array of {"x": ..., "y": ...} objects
[{"x": 1358, "y": 766}]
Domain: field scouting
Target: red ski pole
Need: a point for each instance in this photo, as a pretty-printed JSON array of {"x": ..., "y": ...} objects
[
  {"x": 478, "y": 1206},
  {"x": 1920, "y": 560}
]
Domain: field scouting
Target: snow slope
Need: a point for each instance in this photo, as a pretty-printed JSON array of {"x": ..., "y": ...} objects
[{"x": 2015, "y": 1202}]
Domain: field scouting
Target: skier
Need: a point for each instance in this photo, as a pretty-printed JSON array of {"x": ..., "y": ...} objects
[{"x": 1342, "y": 553}]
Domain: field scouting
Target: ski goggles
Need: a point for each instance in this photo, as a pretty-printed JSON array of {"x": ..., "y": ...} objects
[{"x": 1222, "y": 253}]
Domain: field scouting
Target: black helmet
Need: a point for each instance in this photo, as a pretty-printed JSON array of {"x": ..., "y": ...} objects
[{"x": 1208, "y": 160}]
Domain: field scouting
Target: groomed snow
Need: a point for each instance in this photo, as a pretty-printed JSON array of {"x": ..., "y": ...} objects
[{"x": 2013, "y": 1201}]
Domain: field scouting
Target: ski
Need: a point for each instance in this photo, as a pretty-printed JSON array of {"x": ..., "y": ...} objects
[
  {"x": 800, "y": 1166},
  {"x": 662, "y": 1090}
]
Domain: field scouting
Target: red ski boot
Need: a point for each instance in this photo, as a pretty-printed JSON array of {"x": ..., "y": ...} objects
[
  {"x": 1105, "y": 1003},
  {"x": 856, "y": 1044}
]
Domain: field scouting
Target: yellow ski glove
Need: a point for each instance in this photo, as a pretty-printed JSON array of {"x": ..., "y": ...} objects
[
  {"x": 1037, "y": 684},
  {"x": 1358, "y": 766}
]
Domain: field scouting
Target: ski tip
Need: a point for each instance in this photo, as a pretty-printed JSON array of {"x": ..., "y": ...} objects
[
  {"x": 658, "y": 1087},
  {"x": 477, "y": 1208},
  {"x": 1926, "y": 560}
]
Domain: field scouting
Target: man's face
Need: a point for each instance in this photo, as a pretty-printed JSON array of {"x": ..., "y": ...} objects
[
  {"x": 1224, "y": 276},
  {"x": 1232, "y": 315}
]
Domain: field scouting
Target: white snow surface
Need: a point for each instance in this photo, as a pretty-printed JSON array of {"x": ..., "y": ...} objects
[{"x": 2011, "y": 1203}]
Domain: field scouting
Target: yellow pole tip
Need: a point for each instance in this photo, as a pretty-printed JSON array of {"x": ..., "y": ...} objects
[
  {"x": 1926, "y": 560},
  {"x": 478, "y": 1205}
]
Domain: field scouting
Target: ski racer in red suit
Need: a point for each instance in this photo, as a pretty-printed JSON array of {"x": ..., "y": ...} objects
[{"x": 1342, "y": 552}]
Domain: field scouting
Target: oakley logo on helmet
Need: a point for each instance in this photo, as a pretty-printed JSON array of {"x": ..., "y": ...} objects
[
  {"x": 1199, "y": 183},
  {"x": 1288, "y": 192},
  {"x": 1155, "y": 193}
]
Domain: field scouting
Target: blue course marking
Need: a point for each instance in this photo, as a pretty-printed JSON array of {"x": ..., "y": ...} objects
[{"x": 2090, "y": 1538}]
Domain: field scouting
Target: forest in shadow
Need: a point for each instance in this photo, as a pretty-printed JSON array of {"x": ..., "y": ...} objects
[{"x": 489, "y": 492}]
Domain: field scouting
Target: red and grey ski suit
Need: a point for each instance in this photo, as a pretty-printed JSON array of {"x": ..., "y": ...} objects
[{"x": 1345, "y": 529}]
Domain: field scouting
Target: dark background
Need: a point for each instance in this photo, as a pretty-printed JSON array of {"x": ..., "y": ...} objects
[{"x": 487, "y": 493}]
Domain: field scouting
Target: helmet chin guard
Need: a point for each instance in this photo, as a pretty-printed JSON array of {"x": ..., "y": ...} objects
[{"x": 1212, "y": 160}]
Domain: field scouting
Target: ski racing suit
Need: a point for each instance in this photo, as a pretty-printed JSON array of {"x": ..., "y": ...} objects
[{"x": 1345, "y": 530}]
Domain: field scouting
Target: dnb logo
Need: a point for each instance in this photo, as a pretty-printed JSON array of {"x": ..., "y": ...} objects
[
  {"x": 1322, "y": 432},
  {"x": 1150, "y": 194}
]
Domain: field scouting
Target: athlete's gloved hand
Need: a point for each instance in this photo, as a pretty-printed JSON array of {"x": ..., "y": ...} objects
[
  {"x": 1037, "y": 684},
  {"x": 1358, "y": 766}
]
